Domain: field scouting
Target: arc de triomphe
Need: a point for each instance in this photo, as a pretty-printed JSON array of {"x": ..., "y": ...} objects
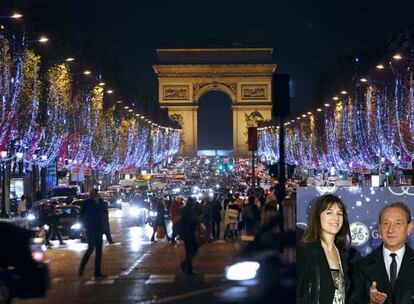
[{"x": 243, "y": 74}]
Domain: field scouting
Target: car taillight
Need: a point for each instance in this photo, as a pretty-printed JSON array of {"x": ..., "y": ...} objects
[{"x": 38, "y": 256}]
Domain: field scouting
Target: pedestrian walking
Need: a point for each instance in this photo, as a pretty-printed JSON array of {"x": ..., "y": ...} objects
[
  {"x": 159, "y": 223},
  {"x": 22, "y": 207},
  {"x": 29, "y": 203},
  {"x": 206, "y": 217},
  {"x": 44, "y": 222},
  {"x": 92, "y": 217},
  {"x": 53, "y": 223},
  {"x": 188, "y": 226},
  {"x": 240, "y": 202},
  {"x": 228, "y": 199},
  {"x": 38, "y": 195},
  {"x": 175, "y": 210},
  {"x": 216, "y": 217},
  {"x": 226, "y": 202},
  {"x": 231, "y": 219},
  {"x": 251, "y": 216},
  {"x": 269, "y": 210},
  {"x": 106, "y": 226}
]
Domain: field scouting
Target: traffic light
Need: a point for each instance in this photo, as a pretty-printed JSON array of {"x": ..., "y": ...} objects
[
  {"x": 231, "y": 164},
  {"x": 387, "y": 170}
]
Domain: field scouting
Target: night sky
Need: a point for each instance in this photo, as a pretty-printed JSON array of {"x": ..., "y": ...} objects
[{"x": 307, "y": 36}]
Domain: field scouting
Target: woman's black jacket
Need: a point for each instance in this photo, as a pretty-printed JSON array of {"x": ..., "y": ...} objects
[{"x": 314, "y": 279}]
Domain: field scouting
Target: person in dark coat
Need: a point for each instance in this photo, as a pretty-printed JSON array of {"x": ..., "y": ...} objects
[
  {"x": 53, "y": 222},
  {"x": 228, "y": 199},
  {"x": 216, "y": 217},
  {"x": 251, "y": 216},
  {"x": 44, "y": 222},
  {"x": 206, "y": 217},
  {"x": 92, "y": 217},
  {"x": 189, "y": 224},
  {"x": 107, "y": 227},
  {"x": 322, "y": 254},
  {"x": 38, "y": 195},
  {"x": 175, "y": 210},
  {"x": 160, "y": 220},
  {"x": 386, "y": 275}
]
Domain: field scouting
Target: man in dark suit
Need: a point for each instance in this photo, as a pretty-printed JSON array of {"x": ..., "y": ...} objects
[
  {"x": 386, "y": 275},
  {"x": 92, "y": 216}
]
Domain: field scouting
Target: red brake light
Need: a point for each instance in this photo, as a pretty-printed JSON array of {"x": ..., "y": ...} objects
[{"x": 38, "y": 256}]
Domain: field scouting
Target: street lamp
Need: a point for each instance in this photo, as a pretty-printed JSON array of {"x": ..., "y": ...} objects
[
  {"x": 42, "y": 39},
  {"x": 397, "y": 57},
  {"x": 16, "y": 15},
  {"x": 4, "y": 213}
]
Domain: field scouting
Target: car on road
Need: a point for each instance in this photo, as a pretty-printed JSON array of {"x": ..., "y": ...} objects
[
  {"x": 139, "y": 214},
  {"x": 24, "y": 272},
  {"x": 69, "y": 221},
  {"x": 254, "y": 271},
  {"x": 113, "y": 197},
  {"x": 67, "y": 191}
]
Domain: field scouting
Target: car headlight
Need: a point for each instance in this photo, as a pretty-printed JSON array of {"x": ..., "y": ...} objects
[
  {"x": 176, "y": 190},
  {"x": 135, "y": 211},
  {"x": 31, "y": 217},
  {"x": 76, "y": 226},
  {"x": 118, "y": 201},
  {"x": 153, "y": 213},
  {"x": 242, "y": 271}
]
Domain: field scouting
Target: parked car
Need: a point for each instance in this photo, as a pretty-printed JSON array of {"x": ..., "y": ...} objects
[{"x": 24, "y": 272}]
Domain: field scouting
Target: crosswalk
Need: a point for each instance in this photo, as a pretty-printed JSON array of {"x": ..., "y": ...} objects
[
  {"x": 152, "y": 279},
  {"x": 160, "y": 279}
]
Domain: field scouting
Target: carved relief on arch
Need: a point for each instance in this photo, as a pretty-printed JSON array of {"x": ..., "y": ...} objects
[
  {"x": 180, "y": 120},
  {"x": 230, "y": 89}
]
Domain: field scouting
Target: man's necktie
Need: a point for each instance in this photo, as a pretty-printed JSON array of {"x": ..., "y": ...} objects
[{"x": 393, "y": 270}]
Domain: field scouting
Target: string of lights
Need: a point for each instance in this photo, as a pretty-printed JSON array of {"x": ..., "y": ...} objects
[
  {"x": 372, "y": 128},
  {"x": 74, "y": 129}
]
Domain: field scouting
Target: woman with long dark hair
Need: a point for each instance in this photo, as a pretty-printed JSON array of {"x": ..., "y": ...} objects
[{"x": 322, "y": 261}]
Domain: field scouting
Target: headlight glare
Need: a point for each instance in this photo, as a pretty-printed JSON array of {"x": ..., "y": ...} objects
[
  {"x": 242, "y": 271},
  {"x": 76, "y": 226}
]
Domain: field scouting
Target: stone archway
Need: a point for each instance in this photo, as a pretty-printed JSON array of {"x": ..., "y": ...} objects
[
  {"x": 230, "y": 89},
  {"x": 215, "y": 122},
  {"x": 243, "y": 74}
]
